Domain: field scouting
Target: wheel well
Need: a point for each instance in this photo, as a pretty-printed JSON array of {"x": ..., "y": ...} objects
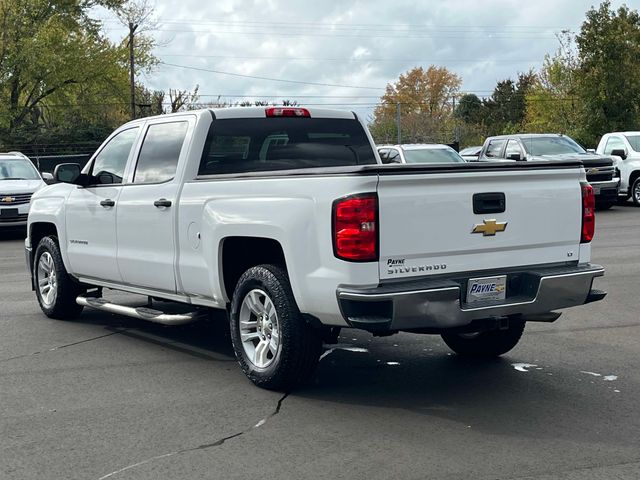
[
  {"x": 241, "y": 253},
  {"x": 40, "y": 230},
  {"x": 632, "y": 178}
]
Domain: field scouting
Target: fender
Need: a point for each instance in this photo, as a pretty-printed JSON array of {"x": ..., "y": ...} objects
[{"x": 48, "y": 206}]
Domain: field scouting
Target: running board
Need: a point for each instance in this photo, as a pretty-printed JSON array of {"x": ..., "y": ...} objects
[{"x": 141, "y": 313}]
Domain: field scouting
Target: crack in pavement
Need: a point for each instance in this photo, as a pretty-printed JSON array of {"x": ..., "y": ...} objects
[
  {"x": 60, "y": 347},
  {"x": 204, "y": 446}
]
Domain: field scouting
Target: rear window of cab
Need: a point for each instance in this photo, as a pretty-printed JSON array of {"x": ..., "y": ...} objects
[{"x": 241, "y": 145}]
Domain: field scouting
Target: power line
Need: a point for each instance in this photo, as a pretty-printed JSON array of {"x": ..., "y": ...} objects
[
  {"x": 299, "y": 82},
  {"x": 359, "y": 59}
]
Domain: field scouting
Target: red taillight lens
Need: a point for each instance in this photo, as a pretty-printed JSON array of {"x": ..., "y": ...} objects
[
  {"x": 355, "y": 228},
  {"x": 287, "y": 112},
  {"x": 588, "y": 213}
]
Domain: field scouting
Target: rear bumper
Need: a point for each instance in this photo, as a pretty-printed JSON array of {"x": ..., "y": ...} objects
[
  {"x": 439, "y": 304},
  {"x": 607, "y": 191}
]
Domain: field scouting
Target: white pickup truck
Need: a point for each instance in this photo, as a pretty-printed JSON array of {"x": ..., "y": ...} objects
[
  {"x": 624, "y": 147},
  {"x": 286, "y": 218}
]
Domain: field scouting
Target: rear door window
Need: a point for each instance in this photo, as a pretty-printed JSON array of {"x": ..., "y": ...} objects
[
  {"x": 494, "y": 149},
  {"x": 267, "y": 144},
  {"x": 158, "y": 159}
]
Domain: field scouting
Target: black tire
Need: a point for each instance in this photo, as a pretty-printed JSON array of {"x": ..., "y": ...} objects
[
  {"x": 299, "y": 346},
  {"x": 635, "y": 192},
  {"x": 485, "y": 344},
  {"x": 63, "y": 306}
]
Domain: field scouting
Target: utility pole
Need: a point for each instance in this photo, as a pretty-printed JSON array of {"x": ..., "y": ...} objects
[
  {"x": 398, "y": 119},
  {"x": 132, "y": 31}
]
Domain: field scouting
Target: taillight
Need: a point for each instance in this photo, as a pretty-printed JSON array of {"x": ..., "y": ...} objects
[
  {"x": 287, "y": 112},
  {"x": 588, "y": 213},
  {"x": 355, "y": 228}
]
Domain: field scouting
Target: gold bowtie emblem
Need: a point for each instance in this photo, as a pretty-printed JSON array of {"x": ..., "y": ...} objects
[
  {"x": 8, "y": 200},
  {"x": 489, "y": 227}
]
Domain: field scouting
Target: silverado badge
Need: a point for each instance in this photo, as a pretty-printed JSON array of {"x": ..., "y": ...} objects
[
  {"x": 8, "y": 200},
  {"x": 489, "y": 227}
]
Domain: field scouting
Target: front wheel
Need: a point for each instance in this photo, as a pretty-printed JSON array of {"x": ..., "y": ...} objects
[
  {"x": 635, "y": 192},
  {"x": 274, "y": 346},
  {"x": 55, "y": 289},
  {"x": 485, "y": 344}
]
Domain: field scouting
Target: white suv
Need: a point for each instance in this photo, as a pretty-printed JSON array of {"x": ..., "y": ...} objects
[
  {"x": 19, "y": 180},
  {"x": 624, "y": 147}
]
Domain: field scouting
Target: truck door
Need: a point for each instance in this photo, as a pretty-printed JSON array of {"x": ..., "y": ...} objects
[
  {"x": 147, "y": 208},
  {"x": 91, "y": 211}
]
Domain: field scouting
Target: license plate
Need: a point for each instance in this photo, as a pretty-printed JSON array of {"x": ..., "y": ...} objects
[
  {"x": 9, "y": 212},
  {"x": 487, "y": 289},
  {"x": 596, "y": 190}
]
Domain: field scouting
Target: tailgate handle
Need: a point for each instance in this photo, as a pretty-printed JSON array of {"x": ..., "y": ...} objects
[{"x": 494, "y": 202}]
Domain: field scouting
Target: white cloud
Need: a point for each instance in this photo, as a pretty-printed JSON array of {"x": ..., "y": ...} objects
[{"x": 363, "y": 43}]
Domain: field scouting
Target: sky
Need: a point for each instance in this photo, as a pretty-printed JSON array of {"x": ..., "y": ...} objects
[{"x": 343, "y": 53}]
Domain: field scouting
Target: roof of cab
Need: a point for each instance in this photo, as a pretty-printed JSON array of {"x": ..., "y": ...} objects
[{"x": 245, "y": 112}]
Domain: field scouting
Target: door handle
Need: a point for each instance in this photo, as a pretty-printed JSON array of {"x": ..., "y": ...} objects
[
  {"x": 163, "y": 202},
  {"x": 107, "y": 203}
]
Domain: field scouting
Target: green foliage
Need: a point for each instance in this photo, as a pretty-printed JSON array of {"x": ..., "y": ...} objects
[
  {"x": 609, "y": 80},
  {"x": 58, "y": 75}
]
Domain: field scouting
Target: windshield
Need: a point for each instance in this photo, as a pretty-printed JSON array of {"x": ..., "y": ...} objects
[
  {"x": 432, "y": 155},
  {"x": 634, "y": 140},
  {"x": 17, "y": 169},
  {"x": 551, "y": 146}
]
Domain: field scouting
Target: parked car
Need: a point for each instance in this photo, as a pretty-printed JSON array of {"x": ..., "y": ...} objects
[
  {"x": 419, "y": 153},
  {"x": 19, "y": 180},
  {"x": 300, "y": 237},
  {"x": 625, "y": 148},
  {"x": 601, "y": 173},
  {"x": 471, "y": 154}
]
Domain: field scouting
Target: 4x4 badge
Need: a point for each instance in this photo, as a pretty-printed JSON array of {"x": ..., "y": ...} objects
[{"x": 489, "y": 227}]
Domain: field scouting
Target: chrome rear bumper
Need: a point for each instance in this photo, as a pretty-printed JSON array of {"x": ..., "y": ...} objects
[{"x": 439, "y": 303}]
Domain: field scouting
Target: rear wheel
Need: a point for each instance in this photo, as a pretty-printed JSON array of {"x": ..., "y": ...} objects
[
  {"x": 273, "y": 344},
  {"x": 485, "y": 344},
  {"x": 55, "y": 289}
]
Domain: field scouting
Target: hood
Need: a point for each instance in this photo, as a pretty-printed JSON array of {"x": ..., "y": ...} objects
[
  {"x": 588, "y": 159},
  {"x": 20, "y": 186}
]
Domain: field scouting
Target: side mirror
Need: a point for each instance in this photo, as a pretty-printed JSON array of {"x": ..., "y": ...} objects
[
  {"x": 67, "y": 173},
  {"x": 514, "y": 156},
  {"x": 619, "y": 152},
  {"x": 47, "y": 177},
  {"x": 591, "y": 150}
]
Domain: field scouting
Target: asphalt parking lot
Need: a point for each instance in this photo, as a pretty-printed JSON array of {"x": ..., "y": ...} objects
[{"x": 111, "y": 397}]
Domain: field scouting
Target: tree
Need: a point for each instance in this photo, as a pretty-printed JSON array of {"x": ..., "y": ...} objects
[
  {"x": 60, "y": 76},
  {"x": 505, "y": 110},
  {"x": 609, "y": 56},
  {"x": 553, "y": 103},
  {"x": 469, "y": 108},
  {"x": 426, "y": 104}
]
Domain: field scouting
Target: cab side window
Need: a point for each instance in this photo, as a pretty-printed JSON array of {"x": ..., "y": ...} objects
[
  {"x": 614, "y": 143},
  {"x": 394, "y": 156},
  {"x": 160, "y": 152},
  {"x": 494, "y": 149},
  {"x": 513, "y": 150},
  {"x": 108, "y": 166}
]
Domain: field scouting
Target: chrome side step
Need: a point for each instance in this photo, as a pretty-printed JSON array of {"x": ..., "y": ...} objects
[{"x": 141, "y": 313}]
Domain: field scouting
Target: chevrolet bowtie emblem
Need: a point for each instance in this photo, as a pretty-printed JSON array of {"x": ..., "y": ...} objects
[
  {"x": 8, "y": 200},
  {"x": 593, "y": 170},
  {"x": 489, "y": 227}
]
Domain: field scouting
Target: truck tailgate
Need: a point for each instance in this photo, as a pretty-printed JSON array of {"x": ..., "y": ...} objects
[{"x": 427, "y": 220}]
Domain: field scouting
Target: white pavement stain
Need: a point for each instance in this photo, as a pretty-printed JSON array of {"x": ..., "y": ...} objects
[
  {"x": 393, "y": 363},
  {"x": 591, "y": 373},
  {"x": 523, "y": 367},
  {"x": 610, "y": 378},
  {"x": 346, "y": 348}
]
